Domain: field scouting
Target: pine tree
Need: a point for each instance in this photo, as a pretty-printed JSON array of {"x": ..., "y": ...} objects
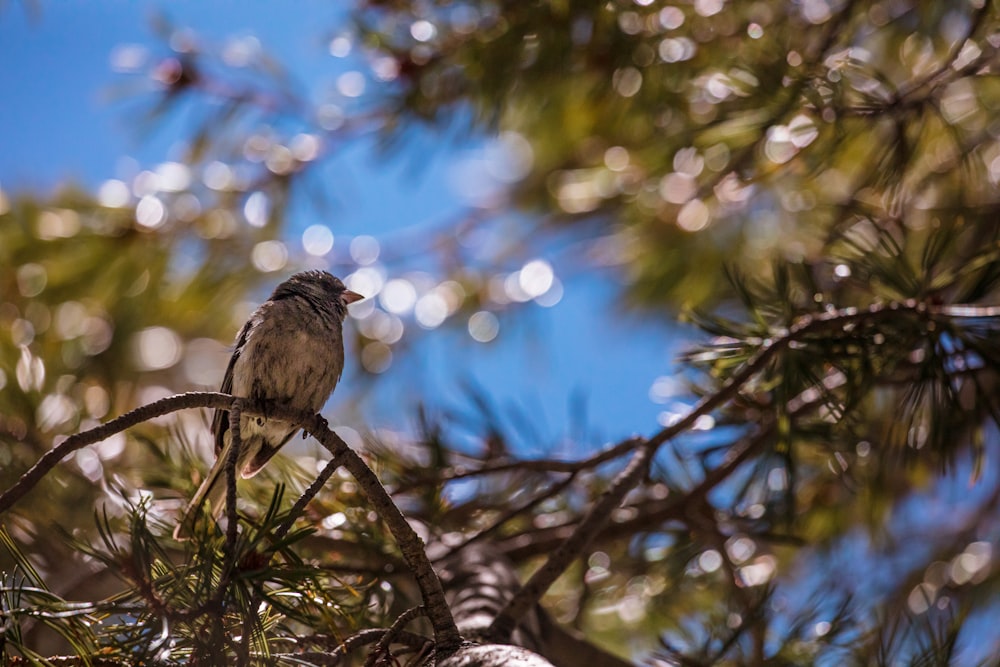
[{"x": 812, "y": 185}]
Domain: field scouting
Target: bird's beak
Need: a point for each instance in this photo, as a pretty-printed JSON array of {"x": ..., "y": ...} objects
[{"x": 350, "y": 297}]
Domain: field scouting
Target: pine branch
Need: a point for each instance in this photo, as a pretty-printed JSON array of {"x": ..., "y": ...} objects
[
  {"x": 594, "y": 521},
  {"x": 235, "y": 432},
  {"x": 411, "y": 546},
  {"x": 164, "y": 406},
  {"x": 380, "y": 654},
  {"x": 446, "y": 635}
]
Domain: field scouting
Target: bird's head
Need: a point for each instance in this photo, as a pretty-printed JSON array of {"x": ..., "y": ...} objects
[{"x": 319, "y": 287}]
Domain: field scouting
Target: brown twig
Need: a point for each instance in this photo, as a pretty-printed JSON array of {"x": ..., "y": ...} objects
[
  {"x": 164, "y": 406},
  {"x": 354, "y": 642},
  {"x": 300, "y": 505},
  {"x": 529, "y": 595},
  {"x": 381, "y": 649},
  {"x": 625, "y": 481},
  {"x": 523, "y": 546},
  {"x": 550, "y": 492},
  {"x": 231, "y": 460},
  {"x": 446, "y": 635},
  {"x": 530, "y": 465}
]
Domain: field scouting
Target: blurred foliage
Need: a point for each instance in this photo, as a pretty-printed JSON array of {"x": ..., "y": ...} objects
[{"x": 813, "y": 184}]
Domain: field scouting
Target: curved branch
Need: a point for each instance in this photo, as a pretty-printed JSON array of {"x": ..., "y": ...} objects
[
  {"x": 446, "y": 635},
  {"x": 529, "y": 465},
  {"x": 354, "y": 642},
  {"x": 529, "y": 595},
  {"x": 382, "y": 648},
  {"x": 599, "y": 515},
  {"x": 164, "y": 406},
  {"x": 300, "y": 505}
]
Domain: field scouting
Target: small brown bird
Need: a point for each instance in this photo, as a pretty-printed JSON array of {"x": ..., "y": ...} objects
[{"x": 291, "y": 352}]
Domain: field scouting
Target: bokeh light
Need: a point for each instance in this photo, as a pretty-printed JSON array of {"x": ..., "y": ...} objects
[
  {"x": 351, "y": 84},
  {"x": 376, "y": 357},
  {"x": 627, "y": 81},
  {"x": 31, "y": 279},
  {"x": 241, "y": 51},
  {"x": 484, "y": 326},
  {"x": 423, "y": 31},
  {"x": 305, "y": 147},
  {"x": 29, "y": 371},
  {"x": 279, "y": 160},
  {"x": 55, "y": 410},
  {"x": 552, "y": 296},
  {"x": 113, "y": 193},
  {"x": 129, "y": 58},
  {"x": 367, "y": 280},
  {"x": 173, "y": 176},
  {"x": 150, "y": 212},
  {"x": 431, "y": 310},
  {"x": 510, "y": 158},
  {"x": 758, "y": 573},
  {"x": 535, "y": 278},
  {"x": 257, "y": 209},
  {"x": 156, "y": 348},
  {"x": 317, "y": 240},
  {"x": 676, "y": 49},
  {"x": 269, "y": 256},
  {"x": 340, "y": 46},
  {"x": 694, "y": 216},
  {"x": 616, "y": 158},
  {"x": 398, "y": 296},
  {"x": 710, "y": 561},
  {"x": 185, "y": 207},
  {"x": 678, "y": 188},
  {"x": 218, "y": 176},
  {"x": 364, "y": 249},
  {"x": 381, "y": 326},
  {"x": 57, "y": 224}
]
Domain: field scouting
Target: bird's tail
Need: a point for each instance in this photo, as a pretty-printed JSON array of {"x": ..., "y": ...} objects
[{"x": 212, "y": 491}]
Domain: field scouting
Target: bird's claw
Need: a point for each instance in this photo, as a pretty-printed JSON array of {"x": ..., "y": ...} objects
[{"x": 321, "y": 424}]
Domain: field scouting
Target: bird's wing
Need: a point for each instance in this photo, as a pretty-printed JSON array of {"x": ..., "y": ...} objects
[{"x": 220, "y": 421}]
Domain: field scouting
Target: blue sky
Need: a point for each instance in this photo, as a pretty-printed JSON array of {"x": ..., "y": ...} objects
[{"x": 59, "y": 122}]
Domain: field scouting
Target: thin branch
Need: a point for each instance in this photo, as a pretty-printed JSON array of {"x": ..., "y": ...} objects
[
  {"x": 676, "y": 507},
  {"x": 552, "y": 491},
  {"x": 354, "y": 642},
  {"x": 598, "y": 516},
  {"x": 164, "y": 406},
  {"x": 529, "y": 595},
  {"x": 382, "y": 648},
  {"x": 446, "y": 635},
  {"x": 531, "y": 465},
  {"x": 300, "y": 505},
  {"x": 235, "y": 445}
]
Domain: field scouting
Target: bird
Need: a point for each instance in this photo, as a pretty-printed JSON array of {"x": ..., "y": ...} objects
[{"x": 290, "y": 352}]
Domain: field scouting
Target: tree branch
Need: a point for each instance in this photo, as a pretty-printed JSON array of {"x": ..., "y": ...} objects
[
  {"x": 446, "y": 635},
  {"x": 380, "y": 654},
  {"x": 595, "y": 520},
  {"x": 164, "y": 406},
  {"x": 529, "y": 595},
  {"x": 235, "y": 444}
]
